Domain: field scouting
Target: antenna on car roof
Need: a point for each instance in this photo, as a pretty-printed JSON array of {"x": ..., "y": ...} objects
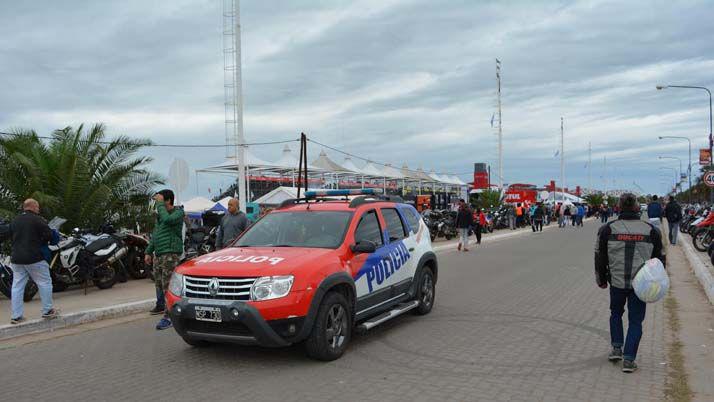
[{"x": 302, "y": 165}]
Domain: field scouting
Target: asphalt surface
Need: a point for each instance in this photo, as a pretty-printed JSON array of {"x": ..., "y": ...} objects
[{"x": 516, "y": 319}]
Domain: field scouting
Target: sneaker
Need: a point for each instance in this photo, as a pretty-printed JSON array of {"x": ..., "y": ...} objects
[
  {"x": 459, "y": 247},
  {"x": 615, "y": 355},
  {"x": 629, "y": 366},
  {"x": 53, "y": 313},
  {"x": 17, "y": 320},
  {"x": 465, "y": 249},
  {"x": 157, "y": 310},
  {"x": 164, "y": 323}
]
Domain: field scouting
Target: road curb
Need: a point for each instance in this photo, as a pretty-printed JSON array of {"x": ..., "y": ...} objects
[
  {"x": 701, "y": 271},
  {"x": 76, "y": 318}
]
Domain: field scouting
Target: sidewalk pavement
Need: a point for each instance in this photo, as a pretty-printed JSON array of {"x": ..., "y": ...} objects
[
  {"x": 701, "y": 264},
  {"x": 77, "y": 308},
  {"x": 696, "y": 316}
]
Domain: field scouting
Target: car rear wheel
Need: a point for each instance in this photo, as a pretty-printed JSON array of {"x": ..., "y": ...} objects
[
  {"x": 426, "y": 292},
  {"x": 332, "y": 329}
]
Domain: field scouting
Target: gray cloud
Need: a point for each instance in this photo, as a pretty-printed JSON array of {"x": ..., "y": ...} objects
[{"x": 395, "y": 81}]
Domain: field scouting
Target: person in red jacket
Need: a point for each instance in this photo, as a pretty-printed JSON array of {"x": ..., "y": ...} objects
[{"x": 479, "y": 223}]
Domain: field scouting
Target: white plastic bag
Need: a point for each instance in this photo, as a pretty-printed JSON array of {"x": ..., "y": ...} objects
[{"x": 651, "y": 282}]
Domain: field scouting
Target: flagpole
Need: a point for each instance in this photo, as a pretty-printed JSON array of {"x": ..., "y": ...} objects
[
  {"x": 500, "y": 129},
  {"x": 562, "y": 162},
  {"x": 590, "y": 162}
]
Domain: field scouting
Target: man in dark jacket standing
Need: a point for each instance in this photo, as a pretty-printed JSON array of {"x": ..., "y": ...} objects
[
  {"x": 654, "y": 209},
  {"x": 166, "y": 245},
  {"x": 232, "y": 225},
  {"x": 29, "y": 233},
  {"x": 464, "y": 220},
  {"x": 621, "y": 248},
  {"x": 673, "y": 213}
]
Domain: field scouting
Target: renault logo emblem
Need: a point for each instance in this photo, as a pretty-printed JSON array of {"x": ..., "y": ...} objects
[{"x": 213, "y": 286}]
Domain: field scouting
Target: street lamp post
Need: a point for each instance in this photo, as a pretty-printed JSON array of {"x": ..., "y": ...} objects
[
  {"x": 675, "y": 175},
  {"x": 680, "y": 165},
  {"x": 711, "y": 140},
  {"x": 689, "y": 167}
]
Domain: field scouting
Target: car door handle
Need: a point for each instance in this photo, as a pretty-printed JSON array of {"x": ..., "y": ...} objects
[{"x": 411, "y": 248}]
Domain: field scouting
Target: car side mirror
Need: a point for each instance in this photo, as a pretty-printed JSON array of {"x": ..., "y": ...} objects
[{"x": 364, "y": 246}]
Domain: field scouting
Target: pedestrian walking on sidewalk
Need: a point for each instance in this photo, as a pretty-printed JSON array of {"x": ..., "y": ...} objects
[
  {"x": 232, "y": 225},
  {"x": 30, "y": 233},
  {"x": 464, "y": 220},
  {"x": 673, "y": 213},
  {"x": 581, "y": 214},
  {"x": 567, "y": 215},
  {"x": 621, "y": 248},
  {"x": 512, "y": 217},
  {"x": 165, "y": 249},
  {"x": 481, "y": 224},
  {"x": 654, "y": 209},
  {"x": 538, "y": 216}
]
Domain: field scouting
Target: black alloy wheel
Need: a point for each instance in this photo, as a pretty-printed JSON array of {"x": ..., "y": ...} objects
[{"x": 332, "y": 330}]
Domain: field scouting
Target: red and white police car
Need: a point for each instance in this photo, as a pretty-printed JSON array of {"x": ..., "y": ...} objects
[{"x": 313, "y": 270}]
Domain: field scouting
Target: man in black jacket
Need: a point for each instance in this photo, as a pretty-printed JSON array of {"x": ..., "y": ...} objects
[
  {"x": 621, "y": 248},
  {"x": 29, "y": 233},
  {"x": 464, "y": 220},
  {"x": 673, "y": 213}
]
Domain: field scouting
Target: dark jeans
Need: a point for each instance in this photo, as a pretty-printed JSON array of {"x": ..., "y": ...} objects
[
  {"x": 538, "y": 225},
  {"x": 673, "y": 230},
  {"x": 160, "y": 299},
  {"x": 477, "y": 231},
  {"x": 636, "y": 309}
]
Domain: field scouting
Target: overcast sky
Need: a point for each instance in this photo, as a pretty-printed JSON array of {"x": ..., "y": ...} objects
[{"x": 396, "y": 81}]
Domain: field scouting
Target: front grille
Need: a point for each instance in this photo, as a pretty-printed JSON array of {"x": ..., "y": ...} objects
[
  {"x": 233, "y": 328},
  {"x": 196, "y": 287}
]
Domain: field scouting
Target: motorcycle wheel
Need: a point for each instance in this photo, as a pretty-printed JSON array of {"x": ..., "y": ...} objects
[
  {"x": 105, "y": 277},
  {"x": 6, "y": 284},
  {"x": 490, "y": 229},
  {"x": 433, "y": 237},
  {"x": 448, "y": 237},
  {"x": 701, "y": 239},
  {"x": 136, "y": 267}
]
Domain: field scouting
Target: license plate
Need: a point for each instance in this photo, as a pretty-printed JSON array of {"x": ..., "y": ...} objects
[{"x": 212, "y": 314}]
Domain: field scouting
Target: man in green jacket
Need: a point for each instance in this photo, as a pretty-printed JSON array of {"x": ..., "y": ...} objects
[{"x": 166, "y": 245}]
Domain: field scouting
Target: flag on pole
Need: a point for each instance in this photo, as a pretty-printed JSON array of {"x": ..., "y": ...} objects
[
  {"x": 493, "y": 116},
  {"x": 556, "y": 153}
]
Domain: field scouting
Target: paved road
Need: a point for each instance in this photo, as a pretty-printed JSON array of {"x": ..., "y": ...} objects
[{"x": 519, "y": 319}]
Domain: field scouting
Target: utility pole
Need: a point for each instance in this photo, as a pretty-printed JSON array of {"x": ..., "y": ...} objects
[
  {"x": 590, "y": 163},
  {"x": 562, "y": 161},
  {"x": 500, "y": 128},
  {"x": 604, "y": 176}
]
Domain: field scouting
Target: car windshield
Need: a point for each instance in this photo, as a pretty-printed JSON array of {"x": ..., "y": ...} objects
[{"x": 318, "y": 229}]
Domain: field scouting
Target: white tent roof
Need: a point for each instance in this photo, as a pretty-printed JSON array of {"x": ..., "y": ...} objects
[
  {"x": 390, "y": 171},
  {"x": 252, "y": 162},
  {"x": 349, "y": 165},
  {"x": 288, "y": 160},
  {"x": 557, "y": 196},
  {"x": 325, "y": 163},
  {"x": 278, "y": 195},
  {"x": 372, "y": 170},
  {"x": 198, "y": 204},
  {"x": 440, "y": 179},
  {"x": 456, "y": 180}
]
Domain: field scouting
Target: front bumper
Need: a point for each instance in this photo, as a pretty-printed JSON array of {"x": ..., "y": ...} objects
[{"x": 241, "y": 323}]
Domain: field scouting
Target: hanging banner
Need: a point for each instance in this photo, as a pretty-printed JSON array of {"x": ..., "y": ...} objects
[{"x": 704, "y": 156}]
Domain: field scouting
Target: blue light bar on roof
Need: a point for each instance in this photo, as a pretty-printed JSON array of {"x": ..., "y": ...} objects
[{"x": 338, "y": 193}]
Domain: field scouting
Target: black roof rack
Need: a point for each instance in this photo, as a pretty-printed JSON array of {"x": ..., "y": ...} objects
[{"x": 365, "y": 199}]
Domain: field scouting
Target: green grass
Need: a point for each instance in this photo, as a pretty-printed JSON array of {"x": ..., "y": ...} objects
[{"x": 677, "y": 387}]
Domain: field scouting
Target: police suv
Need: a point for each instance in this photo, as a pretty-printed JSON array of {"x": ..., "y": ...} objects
[{"x": 314, "y": 270}]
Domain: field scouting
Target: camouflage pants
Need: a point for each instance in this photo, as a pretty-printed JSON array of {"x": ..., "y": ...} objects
[{"x": 164, "y": 265}]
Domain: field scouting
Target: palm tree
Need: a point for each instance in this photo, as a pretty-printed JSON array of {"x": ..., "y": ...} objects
[{"x": 79, "y": 175}]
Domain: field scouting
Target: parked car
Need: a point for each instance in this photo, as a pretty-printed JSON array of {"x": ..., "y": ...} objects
[{"x": 310, "y": 271}]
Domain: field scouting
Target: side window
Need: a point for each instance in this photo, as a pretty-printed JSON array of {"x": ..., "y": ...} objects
[
  {"x": 395, "y": 227},
  {"x": 412, "y": 219},
  {"x": 368, "y": 229}
]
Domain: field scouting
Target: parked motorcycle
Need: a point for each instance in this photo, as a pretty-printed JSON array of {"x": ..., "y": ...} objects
[
  {"x": 704, "y": 233},
  {"x": 6, "y": 281}
]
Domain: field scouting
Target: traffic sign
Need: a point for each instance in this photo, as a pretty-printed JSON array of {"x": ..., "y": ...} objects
[{"x": 708, "y": 179}]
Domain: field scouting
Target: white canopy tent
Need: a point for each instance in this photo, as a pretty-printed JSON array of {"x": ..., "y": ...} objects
[{"x": 198, "y": 205}]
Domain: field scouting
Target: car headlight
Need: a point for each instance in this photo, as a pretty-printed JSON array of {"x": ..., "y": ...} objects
[
  {"x": 176, "y": 284},
  {"x": 271, "y": 287}
]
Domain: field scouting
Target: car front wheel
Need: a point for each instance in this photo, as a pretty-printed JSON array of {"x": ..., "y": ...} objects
[
  {"x": 426, "y": 292},
  {"x": 332, "y": 329}
]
